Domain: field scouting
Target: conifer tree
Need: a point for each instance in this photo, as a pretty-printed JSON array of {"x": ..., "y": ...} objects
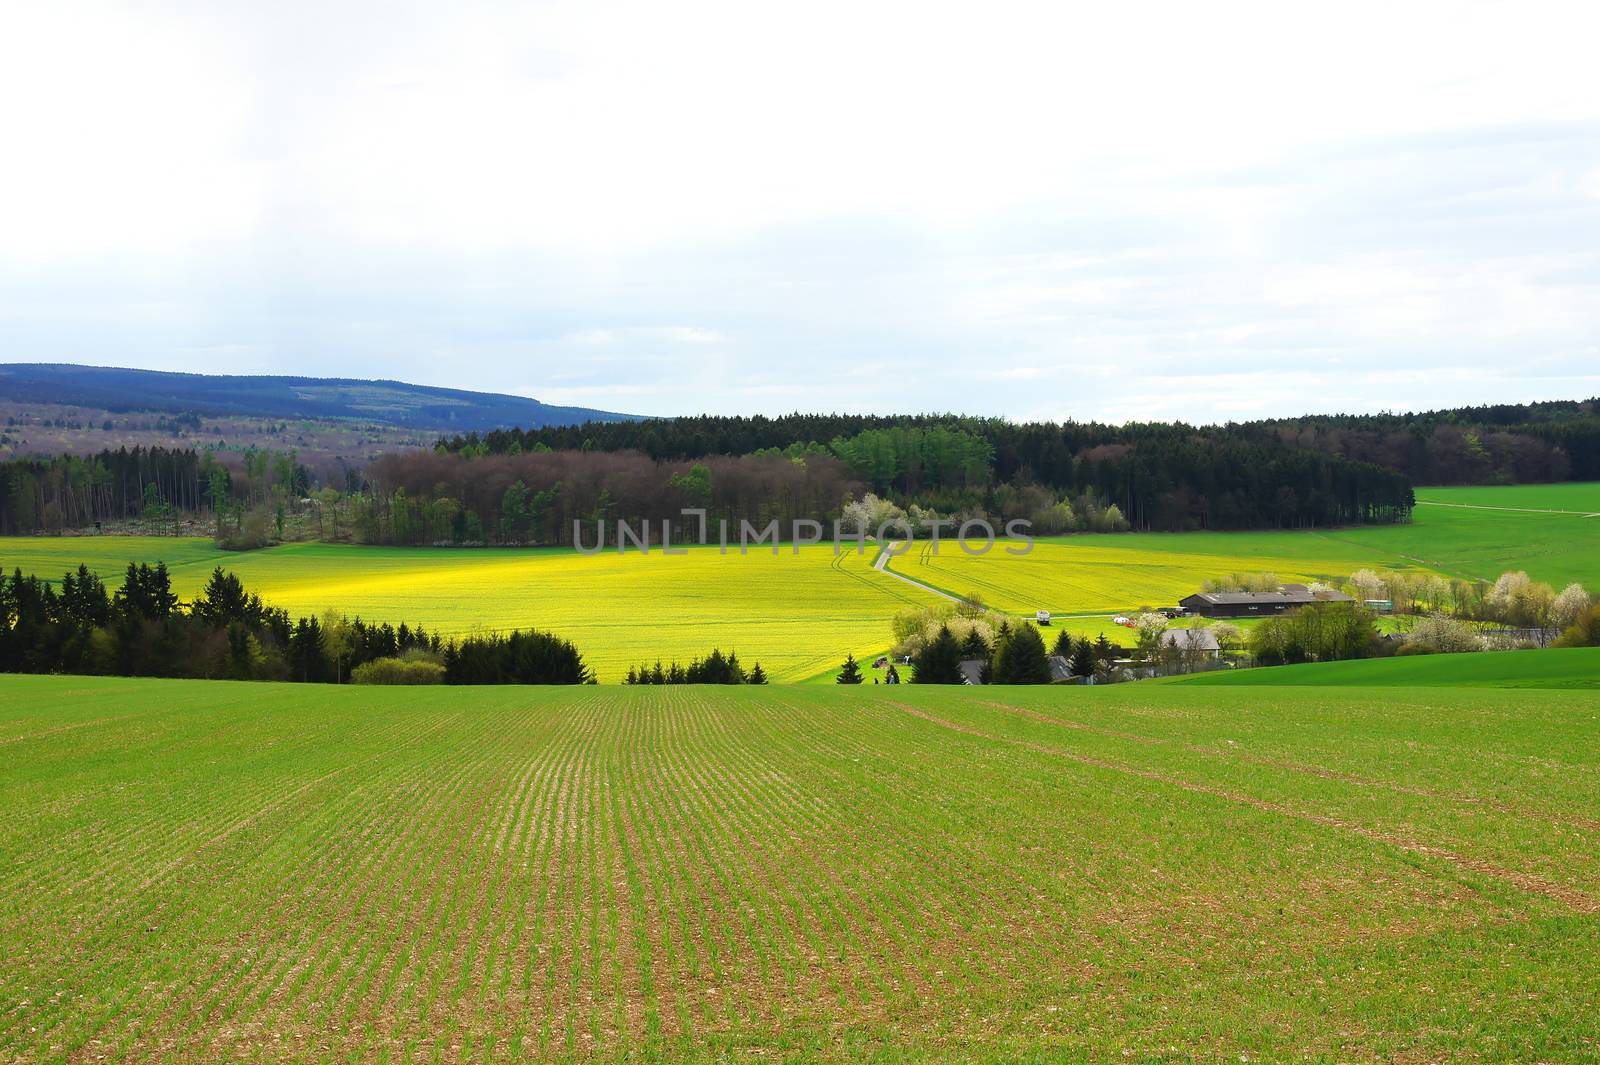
[
  {"x": 1083, "y": 658},
  {"x": 851, "y": 673},
  {"x": 1022, "y": 660},
  {"x": 1104, "y": 652},
  {"x": 940, "y": 660}
]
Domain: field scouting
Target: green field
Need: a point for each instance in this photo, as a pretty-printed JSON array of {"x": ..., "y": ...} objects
[
  {"x": 800, "y": 614},
  {"x": 204, "y": 871},
  {"x": 1573, "y": 498},
  {"x": 1560, "y": 668}
]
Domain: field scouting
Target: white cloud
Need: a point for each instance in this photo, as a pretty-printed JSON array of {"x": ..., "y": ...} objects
[{"x": 728, "y": 206}]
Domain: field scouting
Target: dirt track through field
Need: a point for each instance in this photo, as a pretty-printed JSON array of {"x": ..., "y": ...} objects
[{"x": 1512, "y": 510}]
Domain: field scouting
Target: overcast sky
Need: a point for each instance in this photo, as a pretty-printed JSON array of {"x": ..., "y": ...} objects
[{"x": 1116, "y": 211}]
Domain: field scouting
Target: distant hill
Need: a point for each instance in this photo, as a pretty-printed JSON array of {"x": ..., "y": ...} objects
[{"x": 385, "y": 402}]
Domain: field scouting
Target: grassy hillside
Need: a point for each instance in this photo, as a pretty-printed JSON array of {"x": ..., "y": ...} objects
[
  {"x": 1563, "y": 668},
  {"x": 1573, "y": 498},
  {"x": 203, "y": 871}
]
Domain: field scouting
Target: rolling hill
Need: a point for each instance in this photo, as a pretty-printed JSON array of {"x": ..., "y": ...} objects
[
  {"x": 392, "y": 403},
  {"x": 217, "y": 871}
]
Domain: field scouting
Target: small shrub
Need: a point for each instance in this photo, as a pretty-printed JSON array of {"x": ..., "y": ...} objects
[
  {"x": 1442, "y": 635},
  {"x": 254, "y": 532},
  {"x": 1585, "y": 632},
  {"x": 398, "y": 671}
]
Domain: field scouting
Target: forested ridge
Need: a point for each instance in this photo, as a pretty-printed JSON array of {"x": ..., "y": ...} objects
[
  {"x": 1494, "y": 444},
  {"x": 1499, "y": 443},
  {"x": 532, "y": 486},
  {"x": 387, "y": 402},
  {"x": 1157, "y": 476}
]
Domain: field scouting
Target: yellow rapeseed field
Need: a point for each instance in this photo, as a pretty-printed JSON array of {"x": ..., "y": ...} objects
[
  {"x": 1070, "y": 576},
  {"x": 798, "y": 615}
]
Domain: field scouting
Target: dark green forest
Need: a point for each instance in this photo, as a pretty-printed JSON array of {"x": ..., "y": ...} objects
[
  {"x": 530, "y": 486},
  {"x": 1496, "y": 444}
]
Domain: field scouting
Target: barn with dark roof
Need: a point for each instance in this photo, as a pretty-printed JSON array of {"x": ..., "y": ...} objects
[{"x": 1257, "y": 604}]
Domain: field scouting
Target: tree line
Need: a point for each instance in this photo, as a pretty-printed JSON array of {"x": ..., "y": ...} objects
[
  {"x": 70, "y": 492},
  {"x": 1499, "y": 443},
  {"x": 535, "y": 498},
  {"x": 157, "y": 485},
  {"x": 1002, "y": 653},
  {"x": 515, "y": 486},
  {"x": 1166, "y": 477},
  {"x": 715, "y": 668},
  {"x": 1507, "y": 443},
  {"x": 226, "y": 632}
]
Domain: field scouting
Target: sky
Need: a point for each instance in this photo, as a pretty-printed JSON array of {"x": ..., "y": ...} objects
[{"x": 1130, "y": 211}]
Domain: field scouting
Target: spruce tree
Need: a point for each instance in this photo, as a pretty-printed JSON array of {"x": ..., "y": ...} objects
[
  {"x": 299, "y": 651},
  {"x": 162, "y": 597},
  {"x": 1022, "y": 660},
  {"x": 851, "y": 673},
  {"x": 757, "y": 675},
  {"x": 1083, "y": 658},
  {"x": 1064, "y": 644},
  {"x": 1104, "y": 653},
  {"x": 940, "y": 660}
]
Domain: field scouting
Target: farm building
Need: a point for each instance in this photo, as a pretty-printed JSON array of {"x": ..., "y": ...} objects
[{"x": 1257, "y": 604}]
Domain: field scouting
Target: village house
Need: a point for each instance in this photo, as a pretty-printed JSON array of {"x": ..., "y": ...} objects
[{"x": 1202, "y": 642}]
